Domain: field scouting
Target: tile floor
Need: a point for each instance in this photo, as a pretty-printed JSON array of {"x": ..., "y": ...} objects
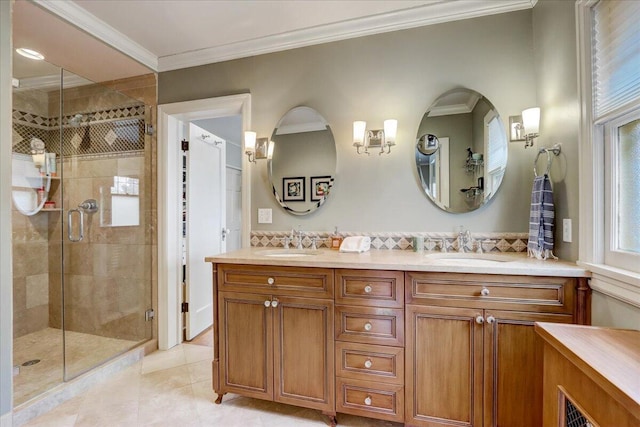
[
  {"x": 173, "y": 388},
  {"x": 82, "y": 352}
]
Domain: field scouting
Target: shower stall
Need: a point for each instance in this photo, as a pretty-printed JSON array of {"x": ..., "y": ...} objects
[{"x": 83, "y": 227}]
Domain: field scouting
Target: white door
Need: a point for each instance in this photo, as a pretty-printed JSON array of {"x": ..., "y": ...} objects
[
  {"x": 234, "y": 209},
  {"x": 205, "y": 220}
]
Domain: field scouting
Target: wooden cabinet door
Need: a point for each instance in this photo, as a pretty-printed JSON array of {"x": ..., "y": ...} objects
[
  {"x": 246, "y": 345},
  {"x": 304, "y": 353},
  {"x": 444, "y": 366},
  {"x": 513, "y": 368}
]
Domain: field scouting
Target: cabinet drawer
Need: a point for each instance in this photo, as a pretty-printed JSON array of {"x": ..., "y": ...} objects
[
  {"x": 264, "y": 279},
  {"x": 370, "y": 399},
  {"x": 546, "y": 294},
  {"x": 383, "y": 326},
  {"x": 370, "y": 287},
  {"x": 370, "y": 362}
]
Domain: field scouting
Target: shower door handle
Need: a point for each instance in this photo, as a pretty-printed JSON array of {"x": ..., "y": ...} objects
[{"x": 70, "y": 225}]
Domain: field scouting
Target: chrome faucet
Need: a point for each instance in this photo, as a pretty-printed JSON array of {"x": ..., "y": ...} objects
[
  {"x": 300, "y": 237},
  {"x": 286, "y": 242}
]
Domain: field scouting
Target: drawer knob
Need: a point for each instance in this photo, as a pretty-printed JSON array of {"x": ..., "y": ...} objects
[
  {"x": 367, "y": 400},
  {"x": 484, "y": 292},
  {"x": 491, "y": 320},
  {"x": 267, "y": 303},
  {"x": 367, "y": 326},
  {"x": 368, "y": 289},
  {"x": 271, "y": 280},
  {"x": 479, "y": 320},
  {"x": 368, "y": 363},
  {"x": 274, "y": 303}
]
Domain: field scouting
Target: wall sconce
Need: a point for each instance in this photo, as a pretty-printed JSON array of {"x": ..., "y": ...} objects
[
  {"x": 250, "y": 145},
  {"x": 525, "y": 127},
  {"x": 257, "y": 149},
  {"x": 383, "y": 138}
]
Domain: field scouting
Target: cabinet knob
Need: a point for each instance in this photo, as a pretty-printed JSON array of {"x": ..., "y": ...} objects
[
  {"x": 367, "y": 326},
  {"x": 267, "y": 303},
  {"x": 479, "y": 320},
  {"x": 274, "y": 303},
  {"x": 367, "y": 400},
  {"x": 368, "y": 289},
  {"x": 271, "y": 280},
  {"x": 484, "y": 292},
  {"x": 491, "y": 319},
  {"x": 368, "y": 363}
]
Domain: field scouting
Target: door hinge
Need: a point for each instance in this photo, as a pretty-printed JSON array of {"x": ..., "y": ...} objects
[
  {"x": 149, "y": 315},
  {"x": 185, "y": 145},
  {"x": 185, "y": 307},
  {"x": 148, "y": 129}
]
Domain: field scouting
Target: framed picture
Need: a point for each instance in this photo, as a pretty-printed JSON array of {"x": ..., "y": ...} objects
[
  {"x": 293, "y": 189},
  {"x": 320, "y": 187}
]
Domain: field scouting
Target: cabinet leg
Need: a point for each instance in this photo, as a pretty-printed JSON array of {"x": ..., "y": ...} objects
[
  {"x": 219, "y": 399},
  {"x": 332, "y": 419}
]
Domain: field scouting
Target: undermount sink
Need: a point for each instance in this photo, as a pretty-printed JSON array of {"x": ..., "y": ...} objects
[
  {"x": 470, "y": 259},
  {"x": 288, "y": 253}
]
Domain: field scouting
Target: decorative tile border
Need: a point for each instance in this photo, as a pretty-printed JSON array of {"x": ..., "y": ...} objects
[
  {"x": 491, "y": 242},
  {"x": 114, "y": 131}
]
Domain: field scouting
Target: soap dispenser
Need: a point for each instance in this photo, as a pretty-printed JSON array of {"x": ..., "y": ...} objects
[{"x": 336, "y": 240}]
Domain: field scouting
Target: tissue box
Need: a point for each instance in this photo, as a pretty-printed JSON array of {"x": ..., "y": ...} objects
[{"x": 356, "y": 244}]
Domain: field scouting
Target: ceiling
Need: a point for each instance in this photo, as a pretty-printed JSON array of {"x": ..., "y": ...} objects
[{"x": 162, "y": 35}]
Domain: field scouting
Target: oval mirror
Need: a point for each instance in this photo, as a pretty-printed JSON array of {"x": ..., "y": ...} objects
[
  {"x": 461, "y": 151},
  {"x": 302, "y": 161}
]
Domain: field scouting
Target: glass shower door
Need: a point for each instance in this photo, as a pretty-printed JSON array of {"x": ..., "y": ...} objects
[{"x": 105, "y": 168}]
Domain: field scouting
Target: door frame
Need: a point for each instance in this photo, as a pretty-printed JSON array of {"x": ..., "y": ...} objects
[{"x": 170, "y": 193}]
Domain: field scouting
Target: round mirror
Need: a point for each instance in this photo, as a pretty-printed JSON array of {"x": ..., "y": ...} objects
[
  {"x": 302, "y": 161},
  {"x": 461, "y": 151}
]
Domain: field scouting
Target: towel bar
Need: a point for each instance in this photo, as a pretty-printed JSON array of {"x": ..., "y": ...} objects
[{"x": 555, "y": 150}]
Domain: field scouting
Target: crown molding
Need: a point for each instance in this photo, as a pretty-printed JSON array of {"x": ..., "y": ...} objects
[
  {"x": 79, "y": 17},
  {"x": 435, "y": 12}
]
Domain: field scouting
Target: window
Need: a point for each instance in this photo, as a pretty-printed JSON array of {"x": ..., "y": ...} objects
[
  {"x": 622, "y": 191},
  {"x": 609, "y": 53}
]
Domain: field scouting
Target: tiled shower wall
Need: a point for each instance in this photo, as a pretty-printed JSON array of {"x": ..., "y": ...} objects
[{"x": 109, "y": 275}]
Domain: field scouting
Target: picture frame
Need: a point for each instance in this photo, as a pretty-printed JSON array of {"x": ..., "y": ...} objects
[
  {"x": 293, "y": 189},
  {"x": 320, "y": 187}
]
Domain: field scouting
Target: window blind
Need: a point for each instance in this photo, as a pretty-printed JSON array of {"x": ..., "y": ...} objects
[{"x": 616, "y": 55}]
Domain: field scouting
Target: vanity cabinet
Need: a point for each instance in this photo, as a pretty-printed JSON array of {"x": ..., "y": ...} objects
[
  {"x": 472, "y": 355},
  {"x": 370, "y": 343},
  {"x": 266, "y": 316},
  {"x": 417, "y": 347}
]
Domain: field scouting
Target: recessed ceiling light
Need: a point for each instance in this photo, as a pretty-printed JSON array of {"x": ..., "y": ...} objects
[{"x": 30, "y": 53}]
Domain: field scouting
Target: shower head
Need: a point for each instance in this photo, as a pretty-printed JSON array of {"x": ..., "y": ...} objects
[{"x": 75, "y": 120}]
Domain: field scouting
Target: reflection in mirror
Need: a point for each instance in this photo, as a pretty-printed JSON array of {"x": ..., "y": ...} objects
[
  {"x": 302, "y": 161},
  {"x": 461, "y": 151}
]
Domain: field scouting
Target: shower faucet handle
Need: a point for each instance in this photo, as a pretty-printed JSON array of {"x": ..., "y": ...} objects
[{"x": 89, "y": 206}]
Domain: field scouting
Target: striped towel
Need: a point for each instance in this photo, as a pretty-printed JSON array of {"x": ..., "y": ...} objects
[{"x": 541, "y": 219}]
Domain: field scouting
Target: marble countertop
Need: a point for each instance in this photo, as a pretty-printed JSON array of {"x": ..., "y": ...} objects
[{"x": 452, "y": 262}]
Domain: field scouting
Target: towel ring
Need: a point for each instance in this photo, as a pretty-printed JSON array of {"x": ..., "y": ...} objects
[{"x": 555, "y": 150}]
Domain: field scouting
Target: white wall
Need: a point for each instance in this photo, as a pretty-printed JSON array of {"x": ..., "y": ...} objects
[
  {"x": 6, "y": 274},
  {"x": 393, "y": 75}
]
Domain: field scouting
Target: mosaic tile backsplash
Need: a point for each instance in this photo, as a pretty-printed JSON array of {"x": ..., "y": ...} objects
[{"x": 491, "y": 242}]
